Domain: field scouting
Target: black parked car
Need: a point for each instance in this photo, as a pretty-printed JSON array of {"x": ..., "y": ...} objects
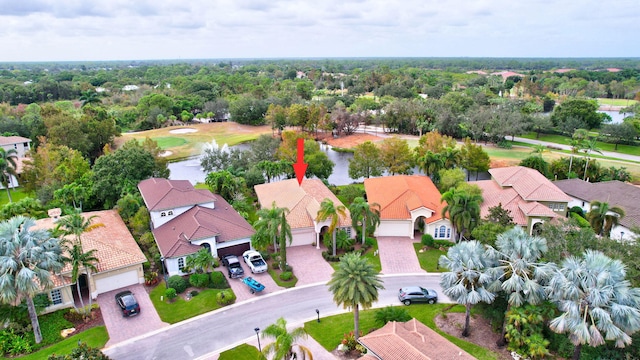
[
  {"x": 234, "y": 268},
  {"x": 411, "y": 294},
  {"x": 128, "y": 303}
]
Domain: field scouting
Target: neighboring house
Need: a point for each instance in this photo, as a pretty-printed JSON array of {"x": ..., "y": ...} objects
[
  {"x": 185, "y": 219},
  {"x": 119, "y": 259},
  {"x": 410, "y": 340},
  {"x": 614, "y": 193},
  {"x": 303, "y": 202},
  {"x": 22, "y": 146},
  {"x": 408, "y": 204},
  {"x": 528, "y": 195}
]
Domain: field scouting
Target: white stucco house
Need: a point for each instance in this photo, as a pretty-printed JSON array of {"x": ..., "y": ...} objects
[
  {"x": 615, "y": 193},
  {"x": 303, "y": 202},
  {"x": 22, "y": 146},
  {"x": 409, "y": 204},
  {"x": 185, "y": 219}
]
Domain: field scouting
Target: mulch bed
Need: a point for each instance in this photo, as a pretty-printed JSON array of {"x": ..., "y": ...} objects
[
  {"x": 95, "y": 320},
  {"x": 480, "y": 331}
]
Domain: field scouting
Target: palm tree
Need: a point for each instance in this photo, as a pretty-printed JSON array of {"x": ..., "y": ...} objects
[
  {"x": 463, "y": 209},
  {"x": 590, "y": 147},
  {"x": 90, "y": 97},
  {"x": 75, "y": 224},
  {"x": 201, "y": 261},
  {"x": 8, "y": 167},
  {"x": 369, "y": 213},
  {"x": 517, "y": 269},
  {"x": 78, "y": 258},
  {"x": 267, "y": 227},
  {"x": 576, "y": 146},
  {"x": 596, "y": 301},
  {"x": 328, "y": 210},
  {"x": 468, "y": 277},
  {"x": 538, "y": 149},
  {"x": 354, "y": 284},
  {"x": 431, "y": 163},
  {"x": 603, "y": 218},
  {"x": 283, "y": 347},
  {"x": 28, "y": 259}
]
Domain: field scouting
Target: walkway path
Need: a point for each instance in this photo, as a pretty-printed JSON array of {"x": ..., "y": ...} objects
[{"x": 398, "y": 256}]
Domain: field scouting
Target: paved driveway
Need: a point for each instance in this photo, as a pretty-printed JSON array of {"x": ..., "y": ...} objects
[
  {"x": 308, "y": 264},
  {"x": 121, "y": 328},
  {"x": 397, "y": 255},
  {"x": 242, "y": 291}
]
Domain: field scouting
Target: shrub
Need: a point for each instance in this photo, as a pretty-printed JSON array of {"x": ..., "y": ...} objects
[
  {"x": 343, "y": 241},
  {"x": 370, "y": 242},
  {"x": 199, "y": 280},
  {"x": 443, "y": 243},
  {"x": 218, "y": 281},
  {"x": 170, "y": 293},
  {"x": 265, "y": 255},
  {"x": 194, "y": 293},
  {"x": 13, "y": 343},
  {"x": 391, "y": 313},
  {"x": 327, "y": 256},
  {"x": 177, "y": 282},
  {"x": 427, "y": 240},
  {"x": 286, "y": 276},
  {"x": 349, "y": 341},
  {"x": 225, "y": 297}
]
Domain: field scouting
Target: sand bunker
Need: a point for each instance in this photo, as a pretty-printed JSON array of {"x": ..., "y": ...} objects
[
  {"x": 165, "y": 153},
  {"x": 183, "y": 131}
]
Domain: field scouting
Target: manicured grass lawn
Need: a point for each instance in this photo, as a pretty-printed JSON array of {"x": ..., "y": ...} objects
[
  {"x": 330, "y": 330},
  {"x": 223, "y": 132},
  {"x": 559, "y": 139},
  {"x": 16, "y": 195},
  {"x": 95, "y": 337},
  {"x": 181, "y": 309},
  {"x": 369, "y": 255},
  {"x": 275, "y": 274},
  {"x": 616, "y": 102},
  {"x": 429, "y": 259},
  {"x": 242, "y": 352}
]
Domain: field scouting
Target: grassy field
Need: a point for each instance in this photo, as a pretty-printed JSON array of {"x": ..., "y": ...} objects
[
  {"x": 429, "y": 259},
  {"x": 241, "y": 352},
  {"x": 181, "y": 309},
  {"x": 564, "y": 140},
  {"x": 616, "y": 102},
  {"x": 16, "y": 195},
  {"x": 330, "y": 330},
  {"x": 95, "y": 337},
  {"x": 183, "y": 145}
]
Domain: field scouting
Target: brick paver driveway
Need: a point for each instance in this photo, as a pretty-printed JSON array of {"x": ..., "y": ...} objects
[
  {"x": 242, "y": 291},
  {"x": 397, "y": 255},
  {"x": 121, "y": 328},
  {"x": 308, "y": 264}
]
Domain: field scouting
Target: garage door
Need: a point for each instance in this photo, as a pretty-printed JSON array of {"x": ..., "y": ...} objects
[
  {"x": 116, "y": 281},
  {"x": 235, "y": 249}
]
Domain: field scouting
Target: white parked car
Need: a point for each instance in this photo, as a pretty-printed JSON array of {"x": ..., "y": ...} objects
[{"x": 255, "y": 261}]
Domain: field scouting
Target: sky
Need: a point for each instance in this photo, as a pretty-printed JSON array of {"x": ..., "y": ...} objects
[{"x": 87, "y": 30}]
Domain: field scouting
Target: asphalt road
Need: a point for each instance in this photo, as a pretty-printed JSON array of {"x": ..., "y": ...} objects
[{"x": 235, "y": 324}]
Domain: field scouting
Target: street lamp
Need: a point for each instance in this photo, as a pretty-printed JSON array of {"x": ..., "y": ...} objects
[
  {"x": 318, "y": 312},
  {"x": 257, "y": 330}
]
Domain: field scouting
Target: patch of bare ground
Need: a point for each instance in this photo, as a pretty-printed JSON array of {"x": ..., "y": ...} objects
[
  {"x": 348, "y": 142},
  {"x": 480, "y": 331}
]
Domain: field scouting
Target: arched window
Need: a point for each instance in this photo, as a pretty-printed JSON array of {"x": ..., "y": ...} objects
[{"x": 442, "y": 231}]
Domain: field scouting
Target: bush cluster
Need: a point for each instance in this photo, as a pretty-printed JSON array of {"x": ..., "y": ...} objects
[
  {"x": 427, "y": 240},
  {"x": 225, "y": 297},
  {"x": 170, "y": 293},
  {"x": 177, "y": 282},
  {"x": 286, "y": 276},
  {"x": 218, "y": 281},
  {"x": 199, "y": 280},
  {"x": 327, "y": 256}
]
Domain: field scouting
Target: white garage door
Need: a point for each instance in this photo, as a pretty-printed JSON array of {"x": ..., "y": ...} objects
[{"x": 116, "y": 281}]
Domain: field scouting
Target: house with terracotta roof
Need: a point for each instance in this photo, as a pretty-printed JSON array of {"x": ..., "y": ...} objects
[
  {"x": 411, "y": 340},
  {"x": 119, "y": 259},
  {"x": 185, "y": 219},
  {"x": 528, "y": 195},
  {"x": 408, "y": 204},
  {"x": 303, "y": 202},
  {"x": 614, "y": 193}
]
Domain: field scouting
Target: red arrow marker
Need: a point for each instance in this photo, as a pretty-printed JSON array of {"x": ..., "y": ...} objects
[{"x": 300, "y": 167}]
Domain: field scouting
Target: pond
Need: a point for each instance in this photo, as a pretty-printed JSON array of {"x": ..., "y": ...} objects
[{"x": 616, "y": 117}]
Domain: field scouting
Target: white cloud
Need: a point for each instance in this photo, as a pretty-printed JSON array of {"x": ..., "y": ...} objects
[{"x": 35, "y": 30}]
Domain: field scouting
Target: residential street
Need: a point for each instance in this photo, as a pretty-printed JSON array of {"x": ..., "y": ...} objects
[{"x": 230, "y": 326}]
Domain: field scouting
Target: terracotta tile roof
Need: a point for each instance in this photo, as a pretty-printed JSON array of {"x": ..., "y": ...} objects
[
  {"x": 528, "y": 183},
  {"x": 115, "y": 245},
  {"x": 494, "y": 195},
  {"x": 411, "y": 340},
  {"x": 303, "y": 201},
  {"x": 10, "y": 140},
  {"x": 615, "y": 193},
  {"x": 174, "y": 237},
  {"x": 161, "y": 194},
  {"x": 399, "y": 195}
]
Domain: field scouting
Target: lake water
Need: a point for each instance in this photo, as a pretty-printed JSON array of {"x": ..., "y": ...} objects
[{"x": 616, "y": 117}]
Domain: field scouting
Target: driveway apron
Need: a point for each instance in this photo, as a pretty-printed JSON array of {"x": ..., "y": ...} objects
[
  {"x": 121, "y": 328},
  {"x": 397, "y": 255},
  {"x": 308, "y": 264}
]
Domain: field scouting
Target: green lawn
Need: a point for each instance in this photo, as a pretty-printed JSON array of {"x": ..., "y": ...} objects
[
  {"x": 330, "y": 330},
  {"x": 166, "y": 142},
  {"x": 181, "y": 309},
  {"x": 95, "y": 337},
  {"x": 241, "y": 352},
  {"x": 275, "y": 274},
  {"x": 616, "y": 102},
  {"x": 560, "y": 139},
  {"x": 429, "y": 259},
  {"x": 16, "y": 195},
  {"x": 369, "y": 255}
]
